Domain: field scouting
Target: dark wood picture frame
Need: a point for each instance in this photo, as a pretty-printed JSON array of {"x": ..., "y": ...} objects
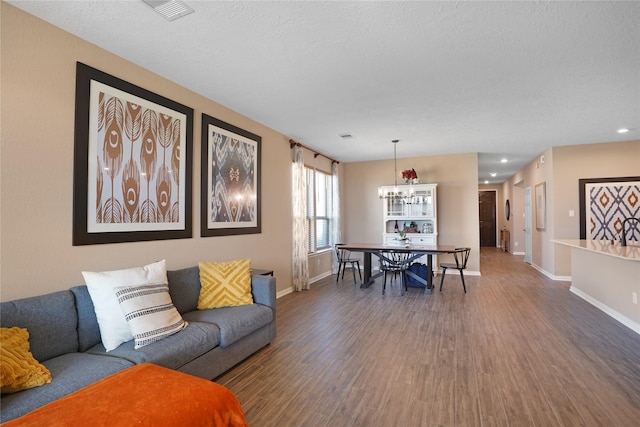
[
  {"x": 113, "y": 119},
  {"x": 230, "y": 200}
]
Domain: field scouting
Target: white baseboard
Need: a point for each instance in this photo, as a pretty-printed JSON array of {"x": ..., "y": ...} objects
[
  {"x": 551, "y": 276},
  {"x": 635, "y": 327},
  {"x": 319, "y": 277},
  {"x": 454, "y": 271},
  {"x": 284, "y": 292},
  {"x": 312, "y": 280},
  {"x": 518, "y": 253}
]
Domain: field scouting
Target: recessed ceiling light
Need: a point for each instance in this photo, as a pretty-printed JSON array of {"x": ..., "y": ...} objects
[
  {"x": 622, "y": 130},
  {"x": 493, "y": 174},
  {"x": 170, "y": 9},
  {"x": 486, "y": 182},
  {"x": 503, "y": 161}
]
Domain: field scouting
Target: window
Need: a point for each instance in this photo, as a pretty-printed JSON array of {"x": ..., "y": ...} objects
[{"x": 319, "y": 209}]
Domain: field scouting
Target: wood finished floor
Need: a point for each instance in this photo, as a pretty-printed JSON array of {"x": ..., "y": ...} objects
[{"x": 517, "y": 350}]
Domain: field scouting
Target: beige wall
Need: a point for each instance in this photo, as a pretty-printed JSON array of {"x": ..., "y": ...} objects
[
  {"x": 38, "y": 101},
  {"x": 457, "y": 179}
]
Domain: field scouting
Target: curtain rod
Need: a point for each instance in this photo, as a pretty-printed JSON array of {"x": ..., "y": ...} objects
[{"x": 293, "y": 143}]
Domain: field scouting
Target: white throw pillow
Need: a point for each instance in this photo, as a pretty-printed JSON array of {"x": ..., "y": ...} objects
[
  {"x": 150, "y": 312},
  {"x": 114, "y": 329}
]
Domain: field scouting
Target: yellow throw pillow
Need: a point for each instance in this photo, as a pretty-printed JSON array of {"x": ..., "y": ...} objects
[
  {"x": 225, "y": 284},
  {"x": 19, "y": 370}
]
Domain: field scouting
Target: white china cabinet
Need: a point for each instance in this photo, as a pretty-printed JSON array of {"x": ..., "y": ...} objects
[{"x": 414, "y": 213}]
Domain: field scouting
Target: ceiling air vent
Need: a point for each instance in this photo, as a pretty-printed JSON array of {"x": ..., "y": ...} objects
[{"x": 171, "y": 9}]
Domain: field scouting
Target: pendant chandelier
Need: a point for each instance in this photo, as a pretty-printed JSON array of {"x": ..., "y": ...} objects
[{"x": 395, "y": 195}]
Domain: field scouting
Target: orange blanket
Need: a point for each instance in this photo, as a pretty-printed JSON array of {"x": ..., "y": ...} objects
[{"x": 145, "y": 395}]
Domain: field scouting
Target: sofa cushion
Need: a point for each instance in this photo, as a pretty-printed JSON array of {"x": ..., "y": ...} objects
[
  {"x": 114, "y": 329},
  {"x": 184, "y": 288},
  {"x": 88, "y": 329},
  {"x": 18, "y": 369},
  {"x": 172, "y": 352},
  {"x": 150, "y": 313},
  {"x": 234, "y": 322},
  {"x": 47, "y": 338},
  {"x": 225, "y": 284},
  {"x": 70, "y": 372}
]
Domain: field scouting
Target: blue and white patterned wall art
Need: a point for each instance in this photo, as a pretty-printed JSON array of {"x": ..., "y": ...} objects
[{"x": 609, "y": 204}]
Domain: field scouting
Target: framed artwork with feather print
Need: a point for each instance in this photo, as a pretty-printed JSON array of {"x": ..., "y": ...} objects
[{"x": 132, "y": 162}]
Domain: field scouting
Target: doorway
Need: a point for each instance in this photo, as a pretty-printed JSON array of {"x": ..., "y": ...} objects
[{"x": 487, "y": 214}]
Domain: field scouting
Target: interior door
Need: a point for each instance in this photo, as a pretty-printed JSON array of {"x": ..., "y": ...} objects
[{"x": 487, "y": 211}]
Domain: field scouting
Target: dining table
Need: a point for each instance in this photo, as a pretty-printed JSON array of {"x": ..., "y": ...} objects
[{"x": 416, "y": 251}]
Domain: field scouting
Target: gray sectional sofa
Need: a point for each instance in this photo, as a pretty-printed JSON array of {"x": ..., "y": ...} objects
[{"x": 65, "y": 337}]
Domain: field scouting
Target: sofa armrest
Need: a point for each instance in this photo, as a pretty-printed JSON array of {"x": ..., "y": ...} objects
[{"x": 263, "y": 289}]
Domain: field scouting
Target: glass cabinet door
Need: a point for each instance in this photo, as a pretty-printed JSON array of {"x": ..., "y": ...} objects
[
  {"x": 395, "y": 207},
  {"x": 423, "y": 203}
]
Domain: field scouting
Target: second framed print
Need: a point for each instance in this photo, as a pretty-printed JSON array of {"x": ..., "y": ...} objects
[{"x": 230, "y": 186}]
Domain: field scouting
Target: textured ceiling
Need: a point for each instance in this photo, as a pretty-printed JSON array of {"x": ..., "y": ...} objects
[{"x": 504, "y": 79}]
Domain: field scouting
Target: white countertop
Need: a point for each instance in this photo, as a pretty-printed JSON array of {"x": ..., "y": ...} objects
[{"x": 630, "y": 252}]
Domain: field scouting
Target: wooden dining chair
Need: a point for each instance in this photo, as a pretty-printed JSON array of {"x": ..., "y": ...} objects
[
  {"x": 461, "y": 256},
  {"x": 394, "y": 263},
  {"x": 344, "y": 258}
]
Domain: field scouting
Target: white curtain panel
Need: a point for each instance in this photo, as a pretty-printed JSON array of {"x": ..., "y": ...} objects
[
  {"x": 337, "y": 224},
  {"x": 300, "y": 260}
]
